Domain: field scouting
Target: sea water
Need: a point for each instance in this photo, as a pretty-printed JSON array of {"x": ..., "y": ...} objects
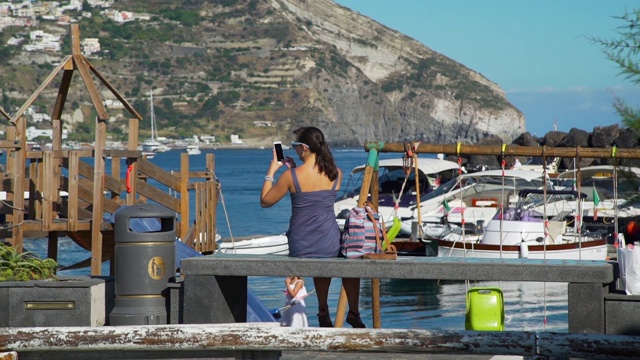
[{"x": 409, "y": 304}]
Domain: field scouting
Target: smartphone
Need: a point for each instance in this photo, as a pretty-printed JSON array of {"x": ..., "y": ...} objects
[{"x": 279, "y": 153}]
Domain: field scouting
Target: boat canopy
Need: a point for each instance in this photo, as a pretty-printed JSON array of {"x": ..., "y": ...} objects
[
  {"x": 426, "y": 166},
  {"x": 600, "y": 172},
  {"x": 525, "y": 192}
]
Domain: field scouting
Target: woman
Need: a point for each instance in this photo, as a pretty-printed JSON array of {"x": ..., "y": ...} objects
[{"x": 313, "y": 231}]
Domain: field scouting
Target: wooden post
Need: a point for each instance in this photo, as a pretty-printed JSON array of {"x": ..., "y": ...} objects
[
  {"x": 19, "y": 158},
  {"x": 132, "y": 166},
  {"x": 212, "y": 191},
  {"x": 98, "y": 186},
  {"x": 368, "y": 183},
  {"x": 184, "y": 196},
  {"x": 72, "y": 199}
]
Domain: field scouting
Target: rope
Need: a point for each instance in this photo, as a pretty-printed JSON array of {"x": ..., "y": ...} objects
[
  {"x": 614, "y": 151},
  {"x": 546, "y": 232},
  {"x": 224, "y": 207},
  {"x": 503, "y": 164}
]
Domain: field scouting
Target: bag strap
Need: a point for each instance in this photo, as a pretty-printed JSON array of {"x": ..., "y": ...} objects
[{"x": 369, "y": 211}]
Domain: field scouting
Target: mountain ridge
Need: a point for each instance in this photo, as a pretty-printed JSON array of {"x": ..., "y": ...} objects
[{"x": 218, "y": 67}]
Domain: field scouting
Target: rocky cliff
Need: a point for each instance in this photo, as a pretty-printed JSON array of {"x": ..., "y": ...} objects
[{"x": 422, "y": 94}]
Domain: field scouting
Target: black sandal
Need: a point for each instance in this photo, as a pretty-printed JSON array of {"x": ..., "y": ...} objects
[
  {"x": 353, "y": 319},
  {"x": 324, "y": 320}
]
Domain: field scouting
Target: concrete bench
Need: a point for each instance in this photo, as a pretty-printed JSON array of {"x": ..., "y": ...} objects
[{"x": 215, "y": 286}]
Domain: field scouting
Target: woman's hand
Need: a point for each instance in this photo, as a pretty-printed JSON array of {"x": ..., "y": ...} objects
[{"x": 289, "y": 162}]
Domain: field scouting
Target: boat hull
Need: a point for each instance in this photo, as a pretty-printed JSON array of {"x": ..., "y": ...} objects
[
  {"x": 275, "y": 244},
  {"x": 588, "y": 250}
]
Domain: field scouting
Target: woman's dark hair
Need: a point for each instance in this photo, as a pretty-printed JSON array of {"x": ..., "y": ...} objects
[{"x": 314, "y": 138}]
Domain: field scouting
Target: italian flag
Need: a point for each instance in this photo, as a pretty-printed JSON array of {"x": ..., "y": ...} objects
[
  {"x": 596, "y": 202},
  {"x": 446, "y": 207}
]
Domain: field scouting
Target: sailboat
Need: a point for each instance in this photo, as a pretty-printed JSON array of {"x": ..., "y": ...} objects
[{"x": 152, "y": 145}]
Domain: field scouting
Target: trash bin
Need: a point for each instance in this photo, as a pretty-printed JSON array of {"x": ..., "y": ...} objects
[{"x": 144, "y": 263}]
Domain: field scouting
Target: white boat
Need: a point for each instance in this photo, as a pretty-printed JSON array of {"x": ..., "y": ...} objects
[
  {"x": 391, "y": 180},
  {"x": 193, "y": 150},
  {"x": 599, "y": 180},
  {"x": 474, "y": 197},
  {"x": 152, "y": 144},
  {"x": 258, "y": 244},
  {"x": 519, "y": 232}
]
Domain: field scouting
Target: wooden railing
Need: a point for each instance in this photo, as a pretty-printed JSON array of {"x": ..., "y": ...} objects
[{"x": 60, "y": 197}]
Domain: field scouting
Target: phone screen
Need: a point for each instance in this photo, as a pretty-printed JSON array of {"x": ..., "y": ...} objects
[{"x": 279, "y": 153}]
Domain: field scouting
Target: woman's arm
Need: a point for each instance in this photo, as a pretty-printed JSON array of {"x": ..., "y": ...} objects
[{"x": 273, "y": 191}]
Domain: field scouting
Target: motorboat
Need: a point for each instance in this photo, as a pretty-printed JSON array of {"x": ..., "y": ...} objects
[
  {"x": 524, "y": 231},
  {"x": 472, "y": 198},
  {"x": 257, "y": 244},
  {"x": 193, "y": 150},
  {"x": 394, "y": 186},
  {"x": 604, "y": 196}
]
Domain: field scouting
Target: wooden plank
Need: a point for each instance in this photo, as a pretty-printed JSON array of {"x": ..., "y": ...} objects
[
  {"x": 203, "y": 341},
  {"x": 61, "y": 99},
  {"x": 49, "y": 185},
  {"x": 34, "y": 210},
  {"x": 44, "y": 84},
  {"x": 110, "y": 183},
  {"x": 72, "y": 189},
  {"x": 98, "y": 197},
  {"x": 115, "y": 175},
  {"x": 9, "y": 144},
  {"x": 184, "y": 197},
  {"x": 213, "y": 200},
  {"x": 158, "y": 196},
  {"x": 513, "y": 150},
  {"x": 18, "y": 164},
  {"x": 75, "y": 39},
  {"x": 4, "y": 114},
  {"x": 154, "y": 171},
  {"x": 80, "y": 63},
  {"x": 113, "y": 153},
  {"x": 113, "y": 90},
  {"x": 132, "y": 164}
]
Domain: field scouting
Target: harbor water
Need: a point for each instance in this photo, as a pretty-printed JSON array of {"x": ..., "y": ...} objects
[{"x": 409, "y": 304}]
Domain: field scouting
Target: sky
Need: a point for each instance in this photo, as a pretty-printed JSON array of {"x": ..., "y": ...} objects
[{"x": 537, "y": 51}]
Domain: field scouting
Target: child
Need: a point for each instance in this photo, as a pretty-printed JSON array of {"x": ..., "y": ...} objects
[{"x": 295, "y": 292}]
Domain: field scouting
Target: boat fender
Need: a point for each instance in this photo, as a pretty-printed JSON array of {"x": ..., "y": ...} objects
[
  {"x": 524, "y": 250},
  {"x": 128, "y": 178}
]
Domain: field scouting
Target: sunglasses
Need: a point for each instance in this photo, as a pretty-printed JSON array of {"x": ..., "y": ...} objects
[{"x": 297, "y": 143}]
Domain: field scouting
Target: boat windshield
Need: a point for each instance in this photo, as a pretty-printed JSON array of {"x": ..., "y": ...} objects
[
  {"x": 484, "y": 183},
  {"x": 390, "y": 181}
]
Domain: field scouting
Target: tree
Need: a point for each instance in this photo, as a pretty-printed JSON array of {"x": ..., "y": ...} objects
[{"x": 625, "y": 52}]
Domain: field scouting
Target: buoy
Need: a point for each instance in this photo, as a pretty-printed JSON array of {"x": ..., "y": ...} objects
[{"x": 524, "y": 250}]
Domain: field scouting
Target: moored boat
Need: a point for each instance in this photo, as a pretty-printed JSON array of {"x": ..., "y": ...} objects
[
  {"x": 257, "y": 244},
  {"x": 522, "y": 232},
  {"x": 395, "y": 186}
]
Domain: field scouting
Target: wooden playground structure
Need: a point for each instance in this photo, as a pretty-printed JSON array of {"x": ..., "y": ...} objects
[{"x": 55, "y": 192}]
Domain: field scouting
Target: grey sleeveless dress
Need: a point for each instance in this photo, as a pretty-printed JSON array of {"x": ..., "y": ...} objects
[{"x": 313, "y": 231}]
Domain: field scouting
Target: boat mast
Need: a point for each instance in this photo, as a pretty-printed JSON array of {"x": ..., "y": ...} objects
[{"x": 153, "y": 117}]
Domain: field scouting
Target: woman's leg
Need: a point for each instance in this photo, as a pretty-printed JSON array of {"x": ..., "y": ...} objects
[
  {"x": 322, "y": 285},
  {"x": 352, "y": 288}
]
